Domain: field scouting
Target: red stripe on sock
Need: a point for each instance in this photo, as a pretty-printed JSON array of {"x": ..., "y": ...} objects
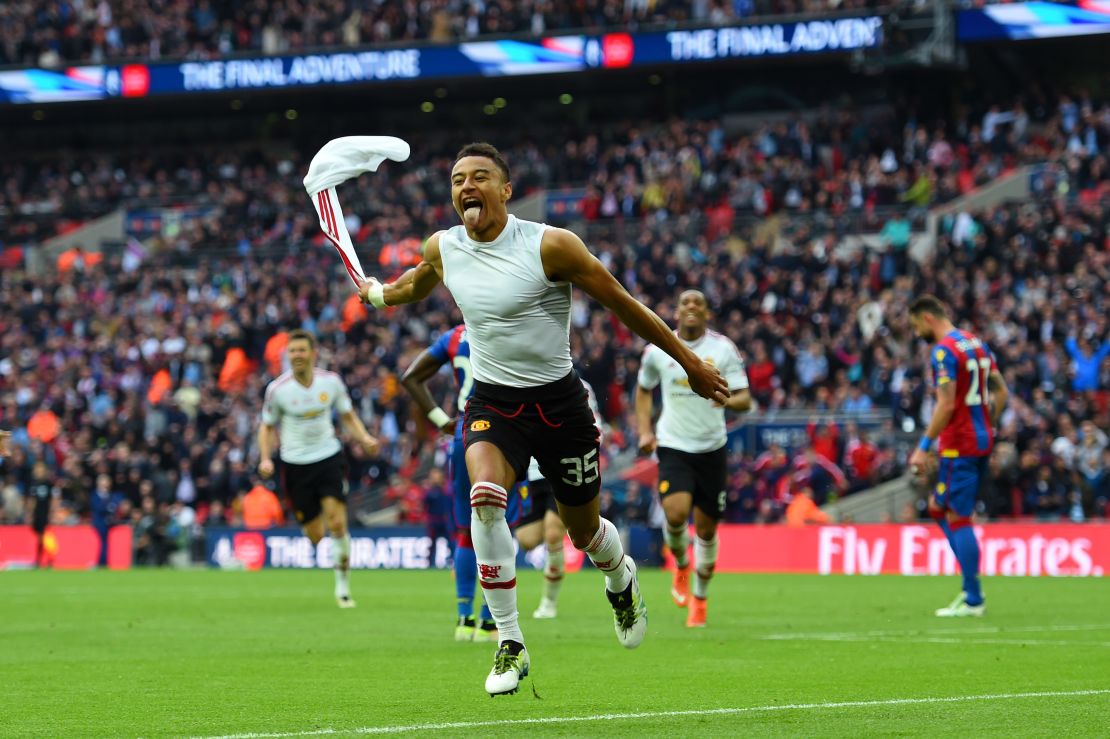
[
  {"x": 484, "y": 495},
  {"x": 477, "y": 499},
  {"x": 463, "y": 539},
  {"x": 499, "y": 585},
  {"x": 960, "y": 523}
]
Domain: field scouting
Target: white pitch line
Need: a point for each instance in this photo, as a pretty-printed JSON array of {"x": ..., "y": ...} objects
[
  {"x": 925, "y": 632},
  {"x": 659, "y": 714},
  {"x": 911, "y": 639}
]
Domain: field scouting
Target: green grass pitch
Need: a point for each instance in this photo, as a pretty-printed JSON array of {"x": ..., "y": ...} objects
[{"x": 208, "y": 653}]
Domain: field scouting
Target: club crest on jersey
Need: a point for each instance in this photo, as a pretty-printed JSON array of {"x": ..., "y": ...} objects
[
  {"x": 664, "y": 486},
  {"x": 323, "y": 397},
  {"x": 480, "y": 425}
]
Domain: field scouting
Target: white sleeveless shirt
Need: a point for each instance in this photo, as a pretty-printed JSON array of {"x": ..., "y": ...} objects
[{"x": 517, "y": 320}]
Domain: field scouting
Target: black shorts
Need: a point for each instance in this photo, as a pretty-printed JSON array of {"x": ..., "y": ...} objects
[
  {"x": 552, "y": 423},
  {"x": 704, "y": 475},
  {"x": 537, "y": 499},
  {"x": 307, "y": 484}
]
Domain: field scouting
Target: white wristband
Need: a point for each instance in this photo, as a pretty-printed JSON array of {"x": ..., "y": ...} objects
[
  {"x": 438, "y": 417},
  {"x": 376, "y": 294}
]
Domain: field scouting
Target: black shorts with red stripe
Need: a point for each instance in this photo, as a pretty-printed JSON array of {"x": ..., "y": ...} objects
[{"x": 552, "y": 423}]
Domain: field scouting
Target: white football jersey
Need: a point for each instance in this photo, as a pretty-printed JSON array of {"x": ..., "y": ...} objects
[
  {"x": 517, "y": 320},
  {"x": 689, "y": 422},
  {"x": 303, "y": 415}
]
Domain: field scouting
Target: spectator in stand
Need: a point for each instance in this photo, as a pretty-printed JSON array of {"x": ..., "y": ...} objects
[
  {"x": 104, "y": 504},
  {"x": 439, "y": 505},
  {"x": 1086, "y": 358},
  {"x": 824, "y": 479},
  {"x": 409, "y": 497},
  {"x": 261, "y": 507},
  {"x": 857, "y": 403},
  {"x": 862, "y": 459},
  {"x": 149, "y": 535},
  {"x": 824, "y": 439},
  {"x": 802, "y": 510},
  {"x": 1046, "y": 493},
  {"x": 761, "y": 374}
]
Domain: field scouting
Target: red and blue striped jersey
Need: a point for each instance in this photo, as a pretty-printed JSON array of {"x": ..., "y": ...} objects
[
  {"x": 967, "y": 361},
  {"x": 453, "y": 348}
]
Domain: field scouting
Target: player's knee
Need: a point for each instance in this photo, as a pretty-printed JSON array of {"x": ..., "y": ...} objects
[
  {"x": 488, "y": 502},
  {"x": 705, "y": 532},
  {"x": 580, "y": 539}
]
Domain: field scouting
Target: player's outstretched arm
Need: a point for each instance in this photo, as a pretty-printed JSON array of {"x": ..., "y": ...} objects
[
  {"x": 415, "y": 380},
  {"x": 565, "y": 258},
  {"x": 414, "y": 285}
]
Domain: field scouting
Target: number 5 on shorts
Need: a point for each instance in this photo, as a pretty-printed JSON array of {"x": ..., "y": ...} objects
[{"x": 582, "y": 471}]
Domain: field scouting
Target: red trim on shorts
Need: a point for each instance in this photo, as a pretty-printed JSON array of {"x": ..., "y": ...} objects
[
  {"x": 498, "y": 585},
  {"x": 544, "y": 418},
  {"x": 503, "y": 415}
]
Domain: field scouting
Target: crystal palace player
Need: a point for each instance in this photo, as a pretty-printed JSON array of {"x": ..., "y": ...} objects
[{"x": 970, "y": 396}]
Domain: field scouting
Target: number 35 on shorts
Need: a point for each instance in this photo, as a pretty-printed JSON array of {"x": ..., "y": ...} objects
[{"x": 578, "y": 471}]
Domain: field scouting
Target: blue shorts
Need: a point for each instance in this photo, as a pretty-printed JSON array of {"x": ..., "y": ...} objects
[
  {"x": 959, "y": 480},
  {"x": 460, "y": 482}
]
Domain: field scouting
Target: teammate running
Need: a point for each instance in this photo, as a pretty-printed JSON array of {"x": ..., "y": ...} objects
[{"x": 314, "y": 469}]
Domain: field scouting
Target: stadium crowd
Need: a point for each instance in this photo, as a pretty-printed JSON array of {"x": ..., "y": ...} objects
[
  {"x": 143, "y": 386},
  {"x": 48, "y": 33},
  {"x": 138, "y": 378},
  {"x": 835, "y": 169}
]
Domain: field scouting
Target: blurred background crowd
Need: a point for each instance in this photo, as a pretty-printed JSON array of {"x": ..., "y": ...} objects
[{"x": 135, "y": 373}]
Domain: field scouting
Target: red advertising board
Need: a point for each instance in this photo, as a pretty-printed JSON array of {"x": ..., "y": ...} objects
[
  {"x": 1007, "y": 549},
  {"x": 67, "y": 547}
]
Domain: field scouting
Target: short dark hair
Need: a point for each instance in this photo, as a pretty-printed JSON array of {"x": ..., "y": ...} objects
[
  {"x": 928, "y": 304},
  {"x": 482, "y": 149},
  {"x": 299, "y": 334}
]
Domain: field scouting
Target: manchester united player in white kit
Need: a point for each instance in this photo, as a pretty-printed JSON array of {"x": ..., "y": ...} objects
[
  {"x": 690, "y": 441},
  {"x": 299, "y": 406},
  {"x": 512, "y": 281}
]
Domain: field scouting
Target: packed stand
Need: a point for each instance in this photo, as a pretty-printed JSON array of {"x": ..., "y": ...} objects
[
  {"x": 48, "y": 33},
  {"x": 833, "y": 171},
  {"x": 143, "y": 387},
  {"x": 139, "y": 381}
]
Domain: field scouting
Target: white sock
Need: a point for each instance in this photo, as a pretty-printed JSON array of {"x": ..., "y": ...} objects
[
  {"x": 607, "y": 554},
  {"x": 705, "y": 559},
  {"x": 678, "y": 541},
  {"x": 341, "y": 557},
  {"x": 493, "y": 547},
  {"x": 553, "y": 573}
]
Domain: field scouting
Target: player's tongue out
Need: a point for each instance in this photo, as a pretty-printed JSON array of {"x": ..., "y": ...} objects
[{"x": 472, "y": 210}]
